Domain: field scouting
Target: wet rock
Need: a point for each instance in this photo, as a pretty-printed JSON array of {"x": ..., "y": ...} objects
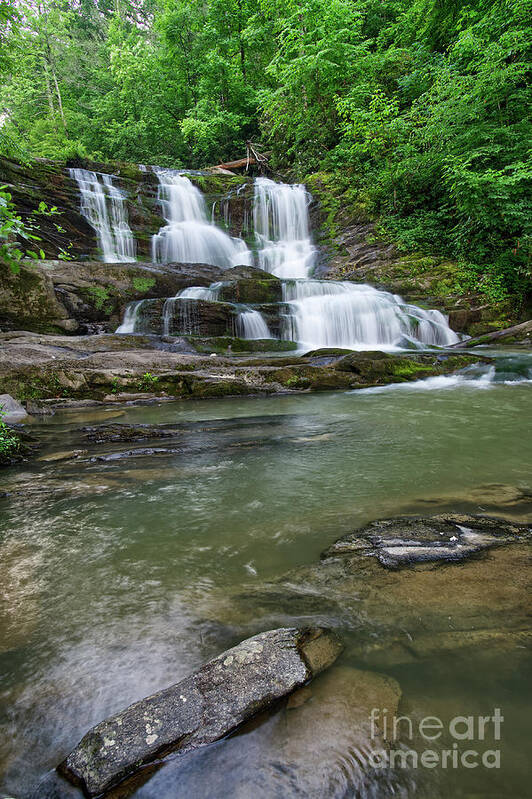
[
  {"x": 70, "y": 454},
  {"x": 316, "y": 746},
  {"x": 405, "y": 590},
  {"x": 11, "y": 411},
  {"x": 228, "y": 345},
  {"x": 372, "y": 368},
  {"x": 190, "y": 316},
  {"x": 112, "y": 368},
  {"x": 125, "y": 432},
  {"x": 137, "y": 453},
  {"x": 200, "y": 709},
  {"x": 245, "y": 284},
  {"x": 327, "y": 352},
  {"x": 448, "y": 537}
]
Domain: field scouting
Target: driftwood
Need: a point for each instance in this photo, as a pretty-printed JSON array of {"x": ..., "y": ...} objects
[
  {"x": 253, "y": 158},
  {"x": 522, "y": 332}
]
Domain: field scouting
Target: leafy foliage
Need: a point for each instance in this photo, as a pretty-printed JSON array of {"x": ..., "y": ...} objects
[
  {"x": 421, "y": 106},
  {"x": 9, "y": 441}
]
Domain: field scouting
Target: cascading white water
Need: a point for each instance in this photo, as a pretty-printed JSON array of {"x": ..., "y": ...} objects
[
  {"x": 210, "y": 293},
  {"x": 251, "y": 325},
  {"x": 131, "y": 317},
  {"x": 104, "y": 207},
  {"x": 320, "y": 313},
  {"x": 188, "y": 237},
  {"x": 280, "y": 215},
  {"x": 324, "y": 313}
]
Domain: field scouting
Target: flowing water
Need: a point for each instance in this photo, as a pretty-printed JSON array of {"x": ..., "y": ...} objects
[
  {"x": 131, "y": 318},
  {"x": 187, "y": 236},
  {"x": 251, "y": 325},
  {"x": 280, "y": 216},
  {"x": 124, "y": 566},
  {"x": 317, "y": 313},
  {"x": 104, "y": 207},
  {"x": 326, "y": 313},
  {"x": 118, "y": 569}
]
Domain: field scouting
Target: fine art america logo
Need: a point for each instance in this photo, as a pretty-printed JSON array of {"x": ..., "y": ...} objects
[{"x": 467, "y": 738}]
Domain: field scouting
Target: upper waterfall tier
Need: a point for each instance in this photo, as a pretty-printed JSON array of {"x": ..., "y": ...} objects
[
  {"x": 104, "y": 207},
  {"x": 280, "y": 216},
  {"x": 188, "y": 237}
]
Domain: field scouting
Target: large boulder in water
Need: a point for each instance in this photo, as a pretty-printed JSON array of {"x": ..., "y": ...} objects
[
  {"x": 200, "y": 709},
  {"x": 408, "y": 588}
]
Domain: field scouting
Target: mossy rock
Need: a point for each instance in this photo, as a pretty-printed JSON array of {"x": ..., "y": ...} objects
[
  {"x": 309, "y": 377},
  {"x": 227, "y": 344},
  {"x": 327, "y": 352},
  {"x": 248, "y": 285},
  {"x": 206, "y": 389},
  {"x": 216, "y": 183},
  {"x": 252, "y": 291},
  {"x": 382, "y": 368}
]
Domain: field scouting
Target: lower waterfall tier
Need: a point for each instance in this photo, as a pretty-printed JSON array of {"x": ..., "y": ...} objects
[{"x": 314, "y": 313}]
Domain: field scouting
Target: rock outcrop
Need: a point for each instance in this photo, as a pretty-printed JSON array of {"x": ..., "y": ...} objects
[
  {"x": 200, "y": 709},
  {"x": 67, "y": 230},
  {"x": 113, "y": 368},
  {"x": 87, "y": 296},
  {"x": 11, "y": 411}
]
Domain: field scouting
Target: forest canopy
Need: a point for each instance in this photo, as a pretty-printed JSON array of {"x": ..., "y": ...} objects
[{"x": 421, "y": 107}]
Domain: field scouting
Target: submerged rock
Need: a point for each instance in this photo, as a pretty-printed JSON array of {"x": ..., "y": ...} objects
[
  {"x": 317, "y": 745},
  {"x": 406, "y": 590},
  {"x": 200, "y": 709}
]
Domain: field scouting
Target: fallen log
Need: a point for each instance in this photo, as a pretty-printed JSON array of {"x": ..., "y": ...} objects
[
  {"x": 522, "y": 333},
  {"x": 253, "y": 157},
  {"x": 235, "y": 164}
]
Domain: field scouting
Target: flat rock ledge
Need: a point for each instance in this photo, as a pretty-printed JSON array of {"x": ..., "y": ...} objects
[
  {"x": 447, "y": 537},
  {"x": 200, "y": 709}
]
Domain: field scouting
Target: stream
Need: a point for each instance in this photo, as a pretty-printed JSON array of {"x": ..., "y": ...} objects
[
  {"x": 125, "y": 565},
  {"x": 110, "y": 563}
]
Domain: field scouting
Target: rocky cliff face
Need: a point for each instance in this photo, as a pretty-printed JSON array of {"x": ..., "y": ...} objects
[
  {"x": 228, "y": 196},
  {"x": 85, "y": 295}
]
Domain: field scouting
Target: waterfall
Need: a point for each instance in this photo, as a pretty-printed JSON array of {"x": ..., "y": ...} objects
[
  {"x": 315, "y": 313},
  {"x": 202, "y": 293},
  {"x": 280, "y": 216},
  {"x": 325, "y": 313},
  {"x": 104, "y": 208},
  {"x": 131, "y": 317},
  {"x": 188, "y": 237},
  {"x": 251, "y": 325}
]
